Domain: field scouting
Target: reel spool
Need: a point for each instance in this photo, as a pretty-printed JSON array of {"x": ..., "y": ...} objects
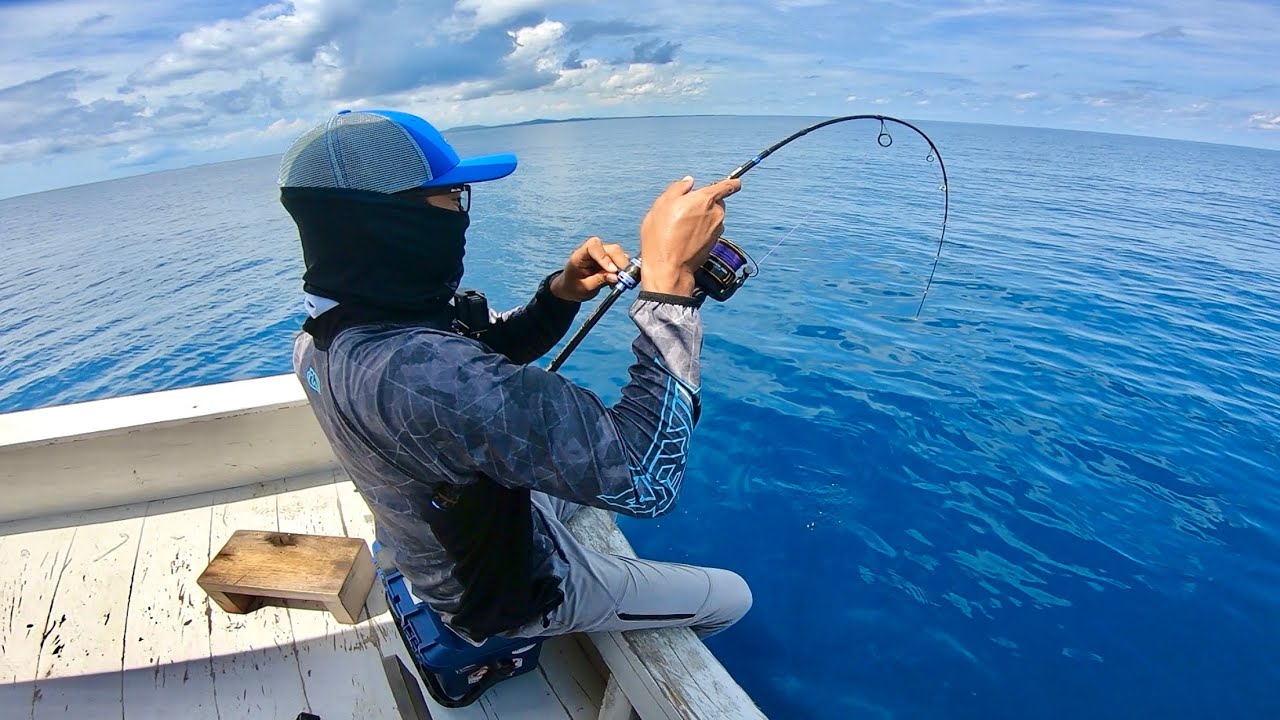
[{"x": 725, "y": 270}]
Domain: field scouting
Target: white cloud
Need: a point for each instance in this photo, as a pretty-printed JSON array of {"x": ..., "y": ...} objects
[
  {"x": 537, "y": 46},
  {"x": 280, "y": 128},
  {"x": 536, "y": 60},
  {"x": 295, "y": 31},
  {"x": 486, "y": 13},
  {"x": 543, "y": 61},
  {"x": 644, "y": 80},
  {"x": 231, "y": 76},
  {"x": 1265, "y": 120},
  {"x": 143, "y": 154},
  {"x": 45, "y": 116},
  {"x": 207, "y": 79}
]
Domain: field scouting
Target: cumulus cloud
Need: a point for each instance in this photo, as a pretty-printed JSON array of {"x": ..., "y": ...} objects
[
  {"x": 534, "y": 62},
  {"x": 1265, "y": 121},
  {"x": 260, "y": 93},
  {"x": 613, "y": 84},
  {"x": 229, "y": 78},
  {"x": 150, "y": 153},
  {"x": 371, "y": 66},
  {"x": 636, "y": 80},
  {"x": 486, "y": 13},
  {"x": 45, "y": 117},
  {"x": 298, "y": 32},
  {"x": 280, "y": 128},
  {"x": 153, "y": 77},
  {"x": 342, "y": 48},
  {"x": 346, "y": 50}
]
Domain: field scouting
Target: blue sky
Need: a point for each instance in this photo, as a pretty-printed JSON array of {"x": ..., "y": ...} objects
[{"x": 101, "y": 89}]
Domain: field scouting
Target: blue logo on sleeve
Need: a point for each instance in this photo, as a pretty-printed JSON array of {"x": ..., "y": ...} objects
[{"x": 313, "y": 379}]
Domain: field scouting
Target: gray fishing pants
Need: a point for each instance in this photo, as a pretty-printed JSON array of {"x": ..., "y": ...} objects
[{"x": 606, "y": 593}]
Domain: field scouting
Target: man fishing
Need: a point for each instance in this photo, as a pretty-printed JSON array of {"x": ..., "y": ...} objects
[{"x": 470, "y": 459}]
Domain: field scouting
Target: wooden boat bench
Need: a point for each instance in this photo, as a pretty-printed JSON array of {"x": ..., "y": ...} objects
[{"x": 259, "y": 567}]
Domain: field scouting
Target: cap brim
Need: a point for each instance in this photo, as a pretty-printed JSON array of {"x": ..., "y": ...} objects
[{"x": 477, "y": 169}]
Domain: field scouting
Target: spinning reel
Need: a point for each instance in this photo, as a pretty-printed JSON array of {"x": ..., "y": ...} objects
[{"x": 724, "y": 271}]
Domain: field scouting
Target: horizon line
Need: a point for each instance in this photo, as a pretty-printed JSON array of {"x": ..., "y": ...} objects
[{"x": 534, "y": 122}]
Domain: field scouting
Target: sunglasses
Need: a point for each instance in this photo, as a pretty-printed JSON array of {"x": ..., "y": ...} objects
[{"x": 462, "y": 191}]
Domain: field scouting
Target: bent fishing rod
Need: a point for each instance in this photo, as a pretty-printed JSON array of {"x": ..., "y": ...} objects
[{"x": 728, "y": 266}]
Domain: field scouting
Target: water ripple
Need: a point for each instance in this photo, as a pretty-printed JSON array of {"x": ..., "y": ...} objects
[{"x": 1053, "y": 487}]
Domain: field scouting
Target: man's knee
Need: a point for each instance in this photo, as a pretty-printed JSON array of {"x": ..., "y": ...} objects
[{"x": 730, "y": 597}]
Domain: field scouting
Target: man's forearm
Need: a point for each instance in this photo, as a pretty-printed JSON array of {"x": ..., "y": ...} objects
[
  {"x": 671, "y": 329},
  {"x": 659, "y": 408},
  {"x": 528, "y": 332}
]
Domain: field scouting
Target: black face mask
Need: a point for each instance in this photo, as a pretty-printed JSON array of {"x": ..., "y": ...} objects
[{"x": 383, "y": 258}]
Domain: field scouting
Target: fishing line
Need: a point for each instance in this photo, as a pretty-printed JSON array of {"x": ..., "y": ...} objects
[
  {"x": 728, "y": 266},
  {"x": 793, "y": 232}
]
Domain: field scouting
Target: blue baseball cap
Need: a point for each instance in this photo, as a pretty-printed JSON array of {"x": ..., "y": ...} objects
[{"x": 383, "y": 151}]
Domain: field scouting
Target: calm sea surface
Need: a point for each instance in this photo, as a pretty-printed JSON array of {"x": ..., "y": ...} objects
[{"x": 1052, "y": 495}]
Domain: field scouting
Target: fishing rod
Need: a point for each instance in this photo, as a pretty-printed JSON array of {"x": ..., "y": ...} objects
[{"x": 728, "y": 266}]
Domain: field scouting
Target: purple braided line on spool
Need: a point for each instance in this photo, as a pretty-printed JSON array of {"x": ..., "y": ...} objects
[{"x": 730, "y": 258}]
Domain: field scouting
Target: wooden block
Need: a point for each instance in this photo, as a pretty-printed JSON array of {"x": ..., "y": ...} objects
[
  {"x": 257, "y": 566},
  {"x": 405, "y": 689}
]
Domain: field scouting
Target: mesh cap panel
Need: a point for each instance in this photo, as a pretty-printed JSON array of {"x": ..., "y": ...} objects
[
  {"x": 358, "y": 151},
  {"x": 306, "y": 162}
]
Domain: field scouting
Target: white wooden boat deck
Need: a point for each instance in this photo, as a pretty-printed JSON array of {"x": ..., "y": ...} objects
[
  {"x": 100, "y": 616},
  {"x": 111, "y": 509}
]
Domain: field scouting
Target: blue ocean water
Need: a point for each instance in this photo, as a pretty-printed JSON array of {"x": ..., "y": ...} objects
[{"x": 1051, "y": 495}]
